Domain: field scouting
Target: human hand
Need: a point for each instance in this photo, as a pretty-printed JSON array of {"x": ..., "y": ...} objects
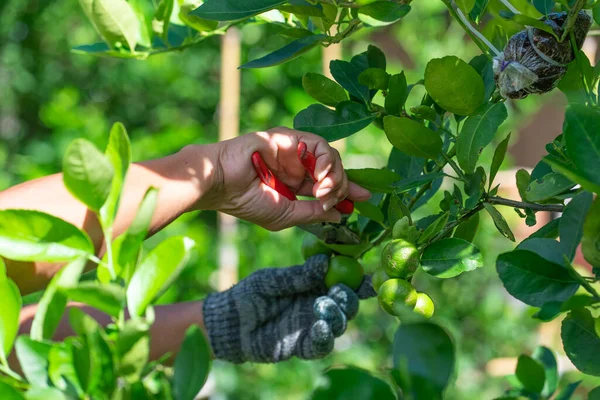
[
  {"x": 271, "y": 316},
  {"x": 240, "y": 192}
]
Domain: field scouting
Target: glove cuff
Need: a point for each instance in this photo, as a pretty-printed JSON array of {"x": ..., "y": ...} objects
[{"x": 222, "y": 322}]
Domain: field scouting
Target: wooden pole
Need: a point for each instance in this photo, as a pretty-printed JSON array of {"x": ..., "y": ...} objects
[{"x": 229, "y": 125}]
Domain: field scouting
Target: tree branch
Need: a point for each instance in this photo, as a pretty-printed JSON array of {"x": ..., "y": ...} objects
[
  {"x": 571, "y": 19},
  {"x": 522, "y": 204}
]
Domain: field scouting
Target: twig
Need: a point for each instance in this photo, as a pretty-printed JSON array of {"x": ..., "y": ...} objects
[
  {"x": 581, "y": 280},
  {"x": 477, "y": 33},
  {"x": 571, "y": 19},
  {"x": 427, "y": 186},
  {"x": 511, "y": 8},
  {"x": 466, "y": 28},
  {"x": 341, "y": 3},
  {"x": 452, "y": 225},
  {"x": 522, "y": 204},
  {"x": 455, "y": 167}
]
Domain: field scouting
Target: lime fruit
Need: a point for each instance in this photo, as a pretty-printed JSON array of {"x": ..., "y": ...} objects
[
  {"x": 311, "y": 246},
  {"x": 378, "y": 278},
  {"x": 344, "y": 270},
  {"x": 396, "y": 293},
  {"x": 400, "y": 259},
  {"x": 424, "y": 305}
]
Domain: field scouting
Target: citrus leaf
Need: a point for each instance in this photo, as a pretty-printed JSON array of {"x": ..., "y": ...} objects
[
  {"x": 347, "y": 119},
  {"x": 450, "y": 257},
  {"x": 397, "y": 94},
  {"x": 547, "y": 187},
  {"x": 571, "y": 222},
  {"x": 582, "y": 125},
  {"x": 381, "y": 13},
  {"x": 229, "y": 10},
  {"x": 192, "y": 364},
  {"x": 434, "y": 228},
  {"x": 115, "y": 21},
  {"x": 346, "y": 382},
  {"x": 546, "y": 358},
  {"x": 374, "y": 78},
  {"x": 346, "y": 74},
  {"x": 580, "y": 341},
  {"x": 323, "y": 89},
  {"x": 9, "y": 313},
  {"x": 411, "y": 137},
  {"x": 108, "y": 298},
  {"x": 465, "y": 5},
  {"x": 590, "y": 243},
  {"x": 286, "y": 53},
  {"x": 530, "y": 373},
  {"x": 33, "y": 358},
  {"x": 544, "y": 6},
  {"x": 500, "y": 222},
  {"x": 498, "y": 158},
  {"x": 373, "y": 179}
]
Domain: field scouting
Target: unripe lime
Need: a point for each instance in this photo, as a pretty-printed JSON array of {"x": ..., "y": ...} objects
[
  {"x": 344, "y": 270},
  {"x": 378, "y": 278},
  {"x": 404, "y": 230},
  {"x": 394, "y": 294},
  {"x": 424, "y": 305},
  {"x": 312, "y": 246},
  {"x": 400, "y": 259}
]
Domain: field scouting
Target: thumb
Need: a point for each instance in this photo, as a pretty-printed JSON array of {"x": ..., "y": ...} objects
[{"x": 310, "y": 212}]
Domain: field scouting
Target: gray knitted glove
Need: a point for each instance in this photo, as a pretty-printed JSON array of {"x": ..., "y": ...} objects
[{"x": 278, "y": 313}]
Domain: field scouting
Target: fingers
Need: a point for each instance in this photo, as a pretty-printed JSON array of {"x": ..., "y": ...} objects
[
  {"x": 310, "y": 212},
  {"x": 326, "y": 309},
  {"x": 345, "y": 298}
]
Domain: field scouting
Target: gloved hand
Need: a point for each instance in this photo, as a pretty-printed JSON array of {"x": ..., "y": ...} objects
[{"x": 277, "y": 313}]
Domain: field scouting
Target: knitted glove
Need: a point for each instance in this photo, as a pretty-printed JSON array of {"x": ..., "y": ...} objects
[{"x": 278, "y": 313}]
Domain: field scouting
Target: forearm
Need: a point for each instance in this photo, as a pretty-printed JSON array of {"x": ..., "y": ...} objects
[{"x": 183, "y": 180}]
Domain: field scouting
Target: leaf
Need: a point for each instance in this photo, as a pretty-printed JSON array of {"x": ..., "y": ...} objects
[
  {"x": 10, "y": 393},
  {"x": 350, "y": 382},
  {"x": 568, "y": 391},
  {"x": 323, "y": 89},
  {"x": 484, "y": 67},
  {"x": 553, "y": 309},
  {"x": 373, "y": 179},
  {"x": 118, "y": 153},
  {"x": 547, "y": 187},
  {"x": 352, "y": 250},
  {"x": 523, "y": 179},
  {"x": 571, "y": 222},
  {"x": 478, "y": 10},
  {"x": 61, "y": 367},
  {"x": 397, "y": 210},
  {"x": 33, "y": 358},
  {"x": 477, "y": 132},
  {"x": 412, "y": 137},
  {"x": 596, "y": 14},
  {"x": 51, "y": 306},
  {"x": 499, "y": 221},
  {"x": 229, "y": 10},
  {"x": 528, "y": 21},
  {"x": 397, "y": 94},
  {"x": 434, "y": 228},
  {"x": 546, "y": 248},
  {"x": 381, "y": 13},
  {"x": 407, "y": 184},
  {"x": 103, "y": 50},
  {"x": 28, "y": 235},
  {"x": 192, "y": 364},
  {"x": 572, "y": 173},
  {"x": 454, "y": 85},
  {"x": 346, "y": 74},
  {"x": 467, "y": 229},
  {"x": 465, "y": 5},
  {"x": 370, "y": 211},
  {"x": 451, "y": 257},
  {"x": 550, "y": 230},
  {"x": 590, "y": 242},
  {"x": 108, "y": 298},
  {"x": 286, "y": 53},
  {"x": 546, "y": 358},
  {"x": 347, "y": 119},
  {"x": 9, "y": 313},
  {"x": 594, "y": 393},
  {"x": 115, "y": 21},
  {"x": 87, "y": 173},
  {"x": 193, "y": 21},
  {"x": 530, "y": 373},
  {"x": 376, "y": 58},
  {"x": 156, "y": 272},
  {"x": 534, "y": 280},
  {"x": 581, "y": 342},
  {"x": 498, "y": 158},
  {"x": 544, "y": 6},
  {"x": 582, "y": 125},
  {"x": 426, "y": 355},
  {"x": 132, "y": 348},
  {"x": 44, "y": 394},
  {"x": 374, "y": 78},
  {"x": 162, "y": 19}
]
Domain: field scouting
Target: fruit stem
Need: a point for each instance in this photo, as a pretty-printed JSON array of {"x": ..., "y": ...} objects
[{"x": 524, "y": 205}]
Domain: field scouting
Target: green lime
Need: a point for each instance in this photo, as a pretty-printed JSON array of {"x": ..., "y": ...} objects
[
  {"x": 378, "y": 278},
  {"x": 344, "y": 270},
  {"x": 424, "y": 305},
  {"x": 311, "y": 246},
  {"x": 404, "y": 230},
  {"x": 400, "y": 259},
  {"x": 396, "y": 293}
]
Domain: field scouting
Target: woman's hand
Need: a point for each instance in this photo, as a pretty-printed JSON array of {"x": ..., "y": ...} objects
[{"x": 238, "y": 190}]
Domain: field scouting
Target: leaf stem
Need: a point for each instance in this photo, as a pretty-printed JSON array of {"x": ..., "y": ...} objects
[
  {"x": 510, "y": 7},
  {"x": 571, "y": 19},
  {"x": 455, "y": 167},
  {"x": 467, "y": 28},
  {"x": 448, "y": 228},
  {"x": 352, "y": 26},
  {"x": 477, "y": 33},
  {"x": 587, "y": 286},
  {"x": 523, "y": 204},
  {"x": 340, "y": 3}
]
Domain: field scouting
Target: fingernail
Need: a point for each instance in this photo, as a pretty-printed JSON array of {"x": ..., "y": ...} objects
[
  {"x": 323, "y": 192},
  {"x": 329, "y": 203}
]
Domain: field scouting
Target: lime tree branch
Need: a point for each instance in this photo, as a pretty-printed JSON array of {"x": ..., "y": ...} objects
[
  {"x": 450, "y": 227},
  {"x": 524, "y": 205},
  {"x": 572, "y": 18}
]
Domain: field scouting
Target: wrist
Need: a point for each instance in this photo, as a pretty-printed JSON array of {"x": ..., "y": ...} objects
[{"x": 204, "y": 174}]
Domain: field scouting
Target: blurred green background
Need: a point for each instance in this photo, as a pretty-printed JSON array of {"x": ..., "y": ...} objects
[{"x": 49, "y": 96}]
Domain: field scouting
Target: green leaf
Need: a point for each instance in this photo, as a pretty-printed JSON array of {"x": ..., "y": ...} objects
[
  {"x": 581, "y": 342},
  {"x": 484, "y": 67},
  {"x": 465, "y": 5},
  {"x": 370, "y": 211},
  {"x": 323, "y": 89},
  {"x": 87, "y": 173},
  {"x": 528, "y": 21},
  {"x": 596, "y": 14},
  {"x": 595, "y": 393},
  {"x": 103, "y": 50},
  {"x": 33, "y": 358},
  {"x": 477, "y": 132},
  {"x": 546, "y": 248},
  {"x": 454, "y": 85},
  {"x": 373, "y": 179},
  {"x": 523, "y": 179},
  {"x": 343, "y": 383},
  {"x": 396, "y": 210},
  {"x": 553, "y": 309},
  {"x": 572, "y": 173},
  {"x": 44, "y": 394},
  {"x": 412, "y": 137},
  {"x": 544, "y": 6},
  {"x": 156, "y": 272},
  {"x": 118, "y": 153},
  {"x": 500, "y": 222},
  {"x": 10, "y": 393},
  {"x": 534, "y": 280},
  {"x": 9, "y": 313},
  {"x": 346, "y": 74},
  {"x": 408, "y": 184},
  {"x": 229, "y": 10},
  {"x": 547, "y": 187},
  {"x": 52, "y": 304},
  {"x": 425, "y": 354},
  {"x": 351, "y": 250},
  {"x": 546, "y": 358},
  {"x": 582, "y": 125},
  {"x": 347, "y": 119},
  {"x": 571, "y": 222},
  {"x": 448, "y": 258},
  {"x": 568, "y": 391},
  {"x": 193, "y": 21},
  {"x": 28, "y": 235},
  {"x": 115, "y": 21},
  {"x": 191, "y": 365},
  {"x": 381, "y": 13},
  {"x": 397, "y": 94},
  {"x": 376, "y": 58},
  {"x": 467, "y": 229},
  {"x": 434, "y": 228},
  {"x": 61, "y": 367},
  {"x": 590, "y": 243},
  {"x": 374, "y": 78},
  {"x": 530, "y": 373},
  {"x": 108, "y": 298},
  {"x": 286, "y": 53},
  {"x": 498, "y": 158},
  {"x": 162, "y": 18},
  {"x": 132, "y": 348},
  {"x": 550, "y": 230}
]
